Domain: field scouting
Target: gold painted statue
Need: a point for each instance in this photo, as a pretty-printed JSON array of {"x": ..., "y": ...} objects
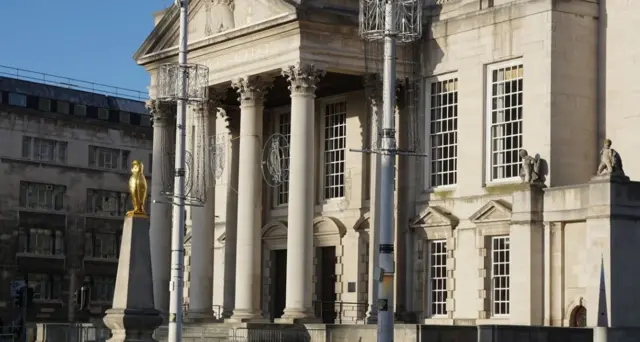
[{"x": 138, "y": 189}]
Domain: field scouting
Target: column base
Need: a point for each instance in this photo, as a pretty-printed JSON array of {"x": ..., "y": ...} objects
[
  {"x": 132, "y": 325},
  {"x": 246, "y": 316},
  {"x": 372, "y": 316},
  {"x": 200, "y": 317},
  {"x": 297, "y": 316}
]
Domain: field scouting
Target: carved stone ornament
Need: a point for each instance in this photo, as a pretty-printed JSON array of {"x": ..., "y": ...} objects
[
  {"x": 251, "y": 89},
  {"x": 210, "y": 106},
  {"x": 159, "y": 110},
  {"x": 610, "y": 160},
  {"x": 303, "y": 78},
  {"x": 531, "y": 171},
  {"x": 220, "y": 16}
]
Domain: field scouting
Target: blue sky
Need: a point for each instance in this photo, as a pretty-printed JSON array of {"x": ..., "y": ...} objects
[{"x": 92, "y": 40}]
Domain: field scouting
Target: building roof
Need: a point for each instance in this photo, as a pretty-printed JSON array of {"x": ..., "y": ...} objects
[{"x": 60, "y": 93}]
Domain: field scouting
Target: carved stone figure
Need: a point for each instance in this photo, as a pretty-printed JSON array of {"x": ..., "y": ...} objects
[
  {"x": 220, "y": 16},
  {"x": 530, "y": 170},
  {"x": 610, "y": 161},
  {"x": 138, "y": 189}
]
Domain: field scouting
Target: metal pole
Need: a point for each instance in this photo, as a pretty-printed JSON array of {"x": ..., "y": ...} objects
[
  {"x": 386, "y": 183},
  {"x": 177, "y": 232}
]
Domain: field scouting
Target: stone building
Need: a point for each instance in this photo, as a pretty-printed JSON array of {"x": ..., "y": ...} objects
[
  {"x": 65, "y": 156},
  {"x": 475, "y": 242}
]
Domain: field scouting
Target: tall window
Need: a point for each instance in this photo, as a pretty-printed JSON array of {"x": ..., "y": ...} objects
[
  {"x": 335, "y": 141},
  {"x": 40, "y": 241},
  {"x": 48, "y": 150},
  {"x": 102, "y": 290},
  {"x": 42, "y": 196},
  {"x": 45, "y": 286},
  {"x": 438, "y": 277},
  {"x": 107, "y": 203},
  {"x": 443, "y": 132},
  {"x": 500, "y": 275},
  {"x": 284, "y": 128},
  {"x": 505, "y": 115},
  {"x": 108, "y": 158},
  {"x": 102, "y": 245}
]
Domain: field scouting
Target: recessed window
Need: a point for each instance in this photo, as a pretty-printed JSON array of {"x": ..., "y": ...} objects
[
  {"x": 505, "y": 106},
  {"x": 18, "y": 100},
  {"x": 102, "y": 290},
  {"x": 438, "y": 277},
  {"x": 335, "y": 141},
  {"x": 63, "y": 107},
  {"x": 107, "y": 203},
  {"x": 48, "y": 150},
  {"x": 284, "y": 128},
  {"x": 103, "y": 114},
  {"x": 443, "y": 132},
  {"x": 80, "y": 110},
  {"x": 500, "y": 273},
  {"x": 44, "y": 104},
  {"x": 108, "y": 158},
  {"x": 125, "y": 117},
  {"x": 42, "y": 196},
  {"x": 45, "y": 286}
]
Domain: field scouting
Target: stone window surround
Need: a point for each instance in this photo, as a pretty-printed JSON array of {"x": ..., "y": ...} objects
[
  {"x": 275, "y": 114},
  {"x": 434, "y": 223},
  {"x": 492, "y": 219},
  {"x": 487, "y": 121},
  {"x": 327, "y": 233}
]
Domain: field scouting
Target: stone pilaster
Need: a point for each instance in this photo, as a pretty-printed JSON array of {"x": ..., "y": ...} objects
[
  {"x": 373, "y": 89},
  {"x": 203, "y": 222},
  {"x": 163, "y": 117},
  {"x": 527, "y": 237},
  {"x": 251, "y": 92},
  {"x": 302, "y": 84}
]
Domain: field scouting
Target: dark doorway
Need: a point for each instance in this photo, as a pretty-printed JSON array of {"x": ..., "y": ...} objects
[
  {"x": 279, "y": 282},
  {"x": 327, "y": 278}
]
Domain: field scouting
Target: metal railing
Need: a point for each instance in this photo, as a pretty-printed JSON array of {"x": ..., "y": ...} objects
[
  {"x": 341, "y": 312},
  {"x": 216, "y": 309},
  {"x": 280, "y": 334},
  {"x": 72, "y": 83}
]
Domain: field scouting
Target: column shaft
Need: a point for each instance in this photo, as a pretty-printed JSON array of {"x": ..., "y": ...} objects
[
  {"x": 203, "y": 222},
  {"x": 160, "y": 233},
  {"x": 248, "y": 246},
  {"x": 231, "y": 224}
]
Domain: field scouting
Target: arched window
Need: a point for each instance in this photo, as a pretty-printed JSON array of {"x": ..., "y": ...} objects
[{"x": 578, "y": 317}]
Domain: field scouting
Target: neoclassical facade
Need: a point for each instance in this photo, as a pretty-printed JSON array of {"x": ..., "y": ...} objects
[{"x": 485, "y": 233}]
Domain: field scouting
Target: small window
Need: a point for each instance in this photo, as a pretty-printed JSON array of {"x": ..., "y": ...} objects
[
  {"x": 63, "y": 107},
  {"x": 125, "y": 118},
  {"x": 80, "y": 110},
  {"x": 103, "y": 114},
  {"x": 19, "y": 100},
  {"x": 44, "y": 104}
]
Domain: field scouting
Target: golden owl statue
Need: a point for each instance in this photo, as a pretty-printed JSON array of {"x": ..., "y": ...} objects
[{"x": 138, "y": 189}]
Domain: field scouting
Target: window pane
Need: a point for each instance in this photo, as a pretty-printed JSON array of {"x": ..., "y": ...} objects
[
  {"x": 443, "y": 135},
  {"x": 335, "y": 139}
]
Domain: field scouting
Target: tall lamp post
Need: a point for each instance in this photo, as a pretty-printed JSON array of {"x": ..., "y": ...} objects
[
  {"x": 184, "y": 84},
  {"x": 392, "y": 21}
]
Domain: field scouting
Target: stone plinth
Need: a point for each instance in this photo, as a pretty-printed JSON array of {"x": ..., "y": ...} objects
[{"x": 133, "y": 316}]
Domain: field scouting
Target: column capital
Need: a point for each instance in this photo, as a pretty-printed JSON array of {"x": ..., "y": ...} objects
[
  {"x": 209, "y": 107},
  {"x": 251, "y": 89},
  {"x": 161, "y": 112},
  {"x": 302, "y": 78}
]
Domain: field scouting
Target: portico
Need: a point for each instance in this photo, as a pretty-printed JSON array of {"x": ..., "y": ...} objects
[{"x": 295, "y": 76}]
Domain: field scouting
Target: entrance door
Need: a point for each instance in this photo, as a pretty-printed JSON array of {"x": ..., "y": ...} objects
[
  {"x": 279, "y": 282},
  {"x": 327, "y": 279}
]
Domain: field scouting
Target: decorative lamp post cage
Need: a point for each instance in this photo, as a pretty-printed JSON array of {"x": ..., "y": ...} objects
[
  {"x": 196, "y": 77},
  {"x": 407, "y": 21}
]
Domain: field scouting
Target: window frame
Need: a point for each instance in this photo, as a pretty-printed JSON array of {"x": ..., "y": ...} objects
[
  {"x": 429, "y": 187},
  {"x": 12, "y": 97},
  {"x": 488, "y": 91},
  {"x": 55, "y": 289},
  {"x": 56, "y": 241},
  {"x": 123, "y": 157},
  {"x": 62, "y": 190},
  {"x": 430, "y": 289},
  {"x": 277, "y": 113},
  {"x": 492, "y": 276},
  {"x": 321, "y": 158},
  {"x": 57, "y": 158}
]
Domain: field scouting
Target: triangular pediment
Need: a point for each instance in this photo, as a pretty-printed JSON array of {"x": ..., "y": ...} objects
[
  {"x": 435, "y": 216},
  {"x": 209, "y": 18},
  {"x": 493, "y": 211}
]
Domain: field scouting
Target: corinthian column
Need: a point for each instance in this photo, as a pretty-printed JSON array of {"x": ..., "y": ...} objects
[
  {"x": 161, "y": 181},
  {"x": 203, "y": 221},
  {"x": 302, "y": 80},
  {"x": 248, "y": 248}
]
